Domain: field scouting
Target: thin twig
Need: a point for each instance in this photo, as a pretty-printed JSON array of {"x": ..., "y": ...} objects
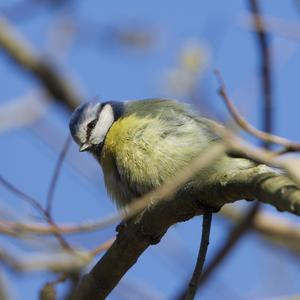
[
  {"x": 242, "y": 148},
  {"x": 163, "y": 192},
  {"x": 63, "y": 262},
  {"x": 190, "y": 293},
  {"x": 58, "y": 235},
  {"x": 266, "y": 80},
  {"x": 273, "y": 26},
  {"x": 55, "y": 175},
  {"x": 238, "y": 231},
  {"x": 275, "y": 229},
  {"x": 267, "y": 118},
  {"x": 32, "y": 201},
  {"x": 48, "y": 290},
  {"x": 288, "y": 146}
]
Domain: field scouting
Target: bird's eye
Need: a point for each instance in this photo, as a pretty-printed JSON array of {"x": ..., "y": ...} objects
[{"x": 91, "y": 125}]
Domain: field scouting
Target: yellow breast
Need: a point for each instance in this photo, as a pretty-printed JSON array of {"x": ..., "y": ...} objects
[
  {"x": 139, "y": 154},
  {"x": 119, "y": 158}
]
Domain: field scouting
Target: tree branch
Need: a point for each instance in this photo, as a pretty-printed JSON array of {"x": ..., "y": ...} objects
[
  {"x": 276, "y": 230},
  {"x": 22, "y": 54},
  {"x": 56, "y": 173},
  {"x": 191, "y": 290},
  {"x": 238, "y": 231},
  {"x": 32, "y": 201},
  {"x": 265, "y": 69},
  {"x": 246, "y": 126},
  {"x": 260, "y": 182}
]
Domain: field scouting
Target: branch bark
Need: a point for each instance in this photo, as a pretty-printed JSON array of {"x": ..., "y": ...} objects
[{"x": 260, "y": 182}]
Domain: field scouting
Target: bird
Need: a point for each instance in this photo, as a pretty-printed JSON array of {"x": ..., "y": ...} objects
[{"x": 142, "y": 144}]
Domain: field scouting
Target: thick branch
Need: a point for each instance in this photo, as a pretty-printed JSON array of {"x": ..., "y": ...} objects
[
  {"x": 261, "y": 183},
  {"x": 22, "y": 54}
]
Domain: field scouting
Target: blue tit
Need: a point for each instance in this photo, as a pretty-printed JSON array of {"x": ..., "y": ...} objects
[{"x": 142, "y": 144}]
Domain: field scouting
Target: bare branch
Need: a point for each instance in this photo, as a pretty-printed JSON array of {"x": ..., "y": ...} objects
[
  {"x": 262, "y": 135},
  {"x": 272, "y": 25},
  {"x": 235, "y": 235},
  {"x": 38, "y": 207},
  {"x": 48, "y": 291},
  {"x": 267, "y": 118},
  {"x": 274, "y": 229},
  {"x": 56, "y": 173},
  {"x": 190, "y": 293},
  {"x": 61, "y": 262},
  {"x": 270, "y": 187},
  {"x": 265, "y": 69},
  {"x": 22, "y": 54},
  {"x": 278, "y": 231},
  {"x": 33, "y": 202}
]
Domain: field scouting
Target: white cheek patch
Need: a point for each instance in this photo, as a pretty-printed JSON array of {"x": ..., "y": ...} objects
[
  {"x": 81, "y": 134},
  {"x": 105, "y": 120},
  {"x": 82, "y": 131}
]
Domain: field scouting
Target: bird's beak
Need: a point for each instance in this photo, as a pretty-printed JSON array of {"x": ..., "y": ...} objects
[{"x": 84, "y": 147}]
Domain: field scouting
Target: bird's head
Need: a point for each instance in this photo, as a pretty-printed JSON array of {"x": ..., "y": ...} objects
[{"x": 91, "y": 121}]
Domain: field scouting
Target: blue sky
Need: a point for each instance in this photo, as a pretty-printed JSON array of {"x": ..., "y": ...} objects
[{"x": 99, "y": 65}]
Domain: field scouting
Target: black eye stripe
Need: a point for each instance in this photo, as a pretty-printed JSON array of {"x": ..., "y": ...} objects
[
  {"x": 117, "y": 108},
  {"x": 90, "y": 126}
]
